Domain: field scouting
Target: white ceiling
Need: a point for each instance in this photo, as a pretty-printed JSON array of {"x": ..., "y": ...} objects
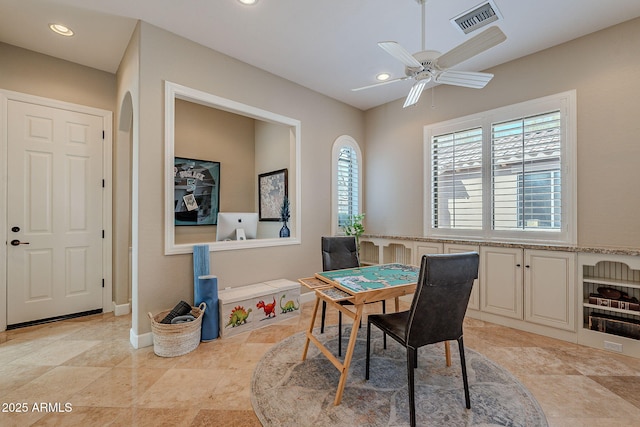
[{"x": 326, "y": 45}]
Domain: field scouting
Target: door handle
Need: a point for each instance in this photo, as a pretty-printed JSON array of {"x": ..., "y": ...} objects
[{"x": 17, "y": 242}]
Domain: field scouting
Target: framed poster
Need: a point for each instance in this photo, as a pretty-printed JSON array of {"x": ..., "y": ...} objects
[
  {"x": 196, "y": 191},
  {"x": 272, "y": 189}
]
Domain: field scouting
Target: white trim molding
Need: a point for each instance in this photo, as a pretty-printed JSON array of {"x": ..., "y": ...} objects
[{"x": 175, "y": 91}]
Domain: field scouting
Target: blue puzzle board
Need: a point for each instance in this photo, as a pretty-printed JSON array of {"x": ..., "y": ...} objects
[{"x": 373, "y": 277}]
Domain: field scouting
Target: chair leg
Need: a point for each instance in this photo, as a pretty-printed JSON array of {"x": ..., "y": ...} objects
[
  {"x": 366, "y": 374},
  {"x": 339, "y": 333},
  {"x": 464, "y": 373},
  {"x": 410, "y": 367},
  {"x": 324, "y": 312},
  {"x": 384, "y": 335},
  {"x": 415, "y": 358}
]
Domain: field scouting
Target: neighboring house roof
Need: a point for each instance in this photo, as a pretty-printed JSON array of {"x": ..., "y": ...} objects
[{"x": 541, "y": 145}]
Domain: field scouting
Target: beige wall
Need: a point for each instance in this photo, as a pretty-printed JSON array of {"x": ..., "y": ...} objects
[
  {"x": 210, "y": 134},
  {"x": 245, "y": 148},
  {"x": 274, "y": 152},
  {"x": 125, "y": 158},
  {"x": 164, "y": 280},
  {"x": 29, "y": 72},
  {"x": 603, "y": 68}
]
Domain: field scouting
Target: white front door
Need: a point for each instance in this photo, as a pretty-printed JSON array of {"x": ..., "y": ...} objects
[{"x": 54, "y": 212}]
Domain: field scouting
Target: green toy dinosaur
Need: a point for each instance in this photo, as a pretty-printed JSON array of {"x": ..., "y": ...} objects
[
  {"x": 238, "y": 316},
  {"x": 289, "y": 305}
]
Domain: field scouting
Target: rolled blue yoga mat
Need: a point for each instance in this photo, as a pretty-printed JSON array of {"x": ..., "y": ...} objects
[
  {"x": 200, "y": 267},
  {"x": 207, "y": 291}
]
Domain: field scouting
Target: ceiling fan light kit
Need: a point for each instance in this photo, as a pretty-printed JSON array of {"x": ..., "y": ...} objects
[{"x": 430, "y": 65}]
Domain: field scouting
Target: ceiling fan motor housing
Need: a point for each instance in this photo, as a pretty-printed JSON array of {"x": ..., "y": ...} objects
[{"x": 427, "y": 59}]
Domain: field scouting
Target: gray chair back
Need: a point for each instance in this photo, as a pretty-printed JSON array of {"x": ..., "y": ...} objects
[
  {"x": 441, "y": 298},
  {"x": 339, "y": 252}
]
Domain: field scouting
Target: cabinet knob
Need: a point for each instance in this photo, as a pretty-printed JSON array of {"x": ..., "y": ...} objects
[
  {"x": 517, "y": 265},
  {"x": 526, "y": 266}
]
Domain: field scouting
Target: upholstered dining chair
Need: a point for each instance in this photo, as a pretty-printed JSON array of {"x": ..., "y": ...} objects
[
  {"x": 339, "y": 252},
  {"x": 436, "y": 314}
]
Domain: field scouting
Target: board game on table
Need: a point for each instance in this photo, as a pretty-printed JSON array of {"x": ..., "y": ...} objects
[{"x": 363, "y": 279}]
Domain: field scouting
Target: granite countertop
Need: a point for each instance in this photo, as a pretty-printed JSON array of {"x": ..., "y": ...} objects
[{"x": 541, "y": 246}]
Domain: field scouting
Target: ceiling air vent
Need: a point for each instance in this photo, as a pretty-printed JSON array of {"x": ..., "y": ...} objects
[{"x": 476, "y": 18}]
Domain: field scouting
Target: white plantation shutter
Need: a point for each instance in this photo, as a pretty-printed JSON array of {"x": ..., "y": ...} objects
[
  {"x": 506, "y": 174},
  {"x": 526, "y": 168},
  {"x": 456, "y": 181},
  {"x": 348, "y": 184}
]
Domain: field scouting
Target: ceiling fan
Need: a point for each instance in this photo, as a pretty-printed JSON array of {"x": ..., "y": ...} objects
[{"x": 429, "y": 65}]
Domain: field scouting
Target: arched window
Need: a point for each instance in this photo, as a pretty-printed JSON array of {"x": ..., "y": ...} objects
[{"x": 346, "y": 181}]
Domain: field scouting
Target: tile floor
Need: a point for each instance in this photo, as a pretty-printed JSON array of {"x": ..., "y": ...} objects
[{"x": 85, "y": 372}]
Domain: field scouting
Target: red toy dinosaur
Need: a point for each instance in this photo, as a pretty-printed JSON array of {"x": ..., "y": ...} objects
[{"x": 269, "y": 309}]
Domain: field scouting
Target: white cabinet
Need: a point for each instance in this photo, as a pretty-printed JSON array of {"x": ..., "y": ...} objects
[
  {"x": 549, "y": 288},
  {"x": 427, "y": 248},
  {"x": 474, "y": 299},
  {"x": 537, "y": 286},
  {"x": 501, "y": 281}
]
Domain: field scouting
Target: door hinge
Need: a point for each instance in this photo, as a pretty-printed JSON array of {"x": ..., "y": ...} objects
[
  {"x": 103, "y": 135},
  {"x": 103, "y": 234},
  {"x": 103, "y": 183},
  {"x": 103, "y": 283}
]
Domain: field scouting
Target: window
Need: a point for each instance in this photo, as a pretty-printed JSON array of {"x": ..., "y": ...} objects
[
  {"x": 505, "y": 174},
  {"x": 526, "y": 173},
  {"x": 346, "y": 181},
  {"x": 457, "y": 180}
]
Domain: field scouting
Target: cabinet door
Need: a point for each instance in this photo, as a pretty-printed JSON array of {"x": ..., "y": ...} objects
[
  {"x": 549, "y": 288},
  {"x": 501, "y": 279},
  {"x": 424, "y": 248},
  {"x": 474, "y": 300}
]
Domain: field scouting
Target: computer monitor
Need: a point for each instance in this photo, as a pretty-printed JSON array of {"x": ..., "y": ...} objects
[{"x": 236, "y": 226}]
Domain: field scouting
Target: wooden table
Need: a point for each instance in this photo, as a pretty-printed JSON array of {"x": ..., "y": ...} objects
[{"x": 359, "y": 286}]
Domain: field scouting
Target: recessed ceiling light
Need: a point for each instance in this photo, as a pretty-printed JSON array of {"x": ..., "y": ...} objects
[
  {"x": 383, "y": 76},
  {"x": 248, "y": 2},
  {"x": 63, "y": 30}
]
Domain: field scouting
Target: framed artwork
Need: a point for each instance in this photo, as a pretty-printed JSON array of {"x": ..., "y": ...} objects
[
  {"x": 272, "y": 189},
  {"x": 196, "y": 191}
]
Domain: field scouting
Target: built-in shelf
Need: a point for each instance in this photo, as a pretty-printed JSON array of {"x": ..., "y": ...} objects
[
  {"x": 611, "y": 282},
  {"x": 611, "y": 309},
  {"x": 614, "y": 329}
]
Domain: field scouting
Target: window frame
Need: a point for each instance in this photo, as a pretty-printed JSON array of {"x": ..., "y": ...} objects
[
  {"x": 564, "y": 102},
  {"x": 338, "y": 144}
]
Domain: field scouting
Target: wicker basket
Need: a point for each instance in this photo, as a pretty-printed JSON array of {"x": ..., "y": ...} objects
[{"x": 178, "y": 339}]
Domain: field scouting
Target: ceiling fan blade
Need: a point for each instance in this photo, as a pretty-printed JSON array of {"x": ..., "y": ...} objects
[
  {"x": 415, "y": 92},
  {"x": 381, "y": 83},
  {"x": 472, "y": 47},
  {"x": 401, "y": 54},
  {"x": 464, "y": 78}
]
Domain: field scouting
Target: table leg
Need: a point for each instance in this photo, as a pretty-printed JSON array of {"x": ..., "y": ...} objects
[
  {"x": 310, "y": 330},
  {"x": 397, "y": 304},
  {"x": 447, "y": 352},
  {"x": 349, "y": 354}
]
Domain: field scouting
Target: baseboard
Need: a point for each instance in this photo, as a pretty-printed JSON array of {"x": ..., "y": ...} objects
[
  {"x": 121, "y": 309},
  {"x": 140, "y": 341}
]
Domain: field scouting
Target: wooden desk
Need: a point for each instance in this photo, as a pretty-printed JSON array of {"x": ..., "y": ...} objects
[{"x": 359, "y": 286}]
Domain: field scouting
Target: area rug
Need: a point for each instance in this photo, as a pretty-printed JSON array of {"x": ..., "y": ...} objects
[{"x": 286, "y": 391}]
